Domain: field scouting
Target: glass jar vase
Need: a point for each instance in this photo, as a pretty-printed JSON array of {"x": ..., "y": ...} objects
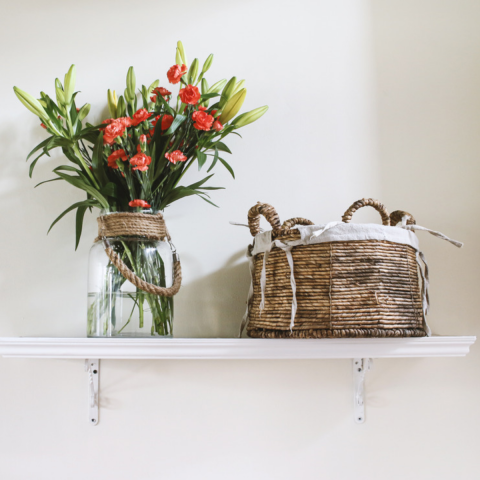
[{"x": 116, "y": 307}]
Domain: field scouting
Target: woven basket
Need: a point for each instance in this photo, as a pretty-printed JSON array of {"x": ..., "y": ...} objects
[{"x": 361, "y": 288}]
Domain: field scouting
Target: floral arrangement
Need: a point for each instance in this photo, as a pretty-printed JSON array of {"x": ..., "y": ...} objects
[{"x": 136, "y": 159}]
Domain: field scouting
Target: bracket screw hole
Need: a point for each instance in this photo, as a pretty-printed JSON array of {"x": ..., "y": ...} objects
[
  {"x": 93, "y": 420},
  {"x": 359, "y": 419},
  {"x": 94, "y": 371},
  {"x": 358, "y": 370}
]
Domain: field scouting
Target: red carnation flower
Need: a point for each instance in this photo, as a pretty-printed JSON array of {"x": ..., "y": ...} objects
[
  {"x": 107, "y": 121},
  {"x": 203, "y": 121},
  {"x": 112, "y": 131},
  {"x": 116, "y": 155},
  {"x": 190, "y": 95},
  {"x": 176, "y": 72},
  {"x": 125, "y": 121},
  {"x": 139, "y": 203},
  {"x": 140, "y": 116},
  {"x": 159, "y": 91},
  {"x": 176, "y": 156},
  {"x": 217, "y": 126},
  {"x": 140, "y": 161},
  {"x": 167, "y": 120}
]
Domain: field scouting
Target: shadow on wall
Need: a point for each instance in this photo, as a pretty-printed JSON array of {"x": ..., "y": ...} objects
[{"x": 213, "y": 306}]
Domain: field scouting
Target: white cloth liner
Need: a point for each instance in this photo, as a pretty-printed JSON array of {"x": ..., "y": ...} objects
[{"x": 340, "y": 232}]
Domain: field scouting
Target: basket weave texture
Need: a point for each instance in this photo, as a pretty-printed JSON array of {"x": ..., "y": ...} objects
[{"x": 343, "y": 289}]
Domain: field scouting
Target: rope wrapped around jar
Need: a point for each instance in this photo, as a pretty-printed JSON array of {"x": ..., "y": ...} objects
[{"x": 145, "y": 225}]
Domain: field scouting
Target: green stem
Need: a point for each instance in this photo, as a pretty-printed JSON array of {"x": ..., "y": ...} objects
[
  {"x": 183, "y": 173},
  {"x": 131, "y": 313},
  {"x": 84, "y": 165}
]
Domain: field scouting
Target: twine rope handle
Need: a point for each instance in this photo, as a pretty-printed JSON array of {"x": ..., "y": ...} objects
[
  {"x": 400, "y": 216},
  {"x": 290, "y": 223},
  {"x": 142, "y": 284},
  {"x": 370, "y": 202},
  {"x": 141, "y": 225},
  {"x": 270, "y": 215}
]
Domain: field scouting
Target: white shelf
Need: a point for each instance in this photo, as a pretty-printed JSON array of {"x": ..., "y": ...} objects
[
  {"x": 360, "y": 350},
  {"x": 234, "y": 349}
]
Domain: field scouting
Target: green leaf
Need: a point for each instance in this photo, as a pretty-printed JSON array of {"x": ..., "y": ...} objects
[
  {"x": 227, "y": 166},
  {"x": 215, "y": 160},
  {"x": 110, "y": 190},
  {"x": 79, "y": 183},
  {"x": 90, "y": 128},
  {"x": 200, "y": 183},
  {"x": 47, "y": 181},
  {"x": 177, "y": 121},
  {"x": 207, "y": 96},
  {"x": 83, "y": 203},
  {"x": 176, "y": 194},
  {"x": 222, "y": 147},
  {"x": 98, "y": 164},
  {"x": 165, "y": 105},
  {"x": 79, "y": 224},
  {"x": 67, "y": 168},
  {"x": 208, "y": 201},
  {"x": 68, "y": 153},
  {"x": 39, "y": 146},
  {"x": 202, "y": 158},
  {"x": 32, "y": 165}
]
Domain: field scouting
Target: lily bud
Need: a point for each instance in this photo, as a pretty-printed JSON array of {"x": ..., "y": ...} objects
[
  {"x": 131, "y": 83},
  {"x": 152, "y": 87},
  {"x": 70, "y": 80},
  {"x": 204, "y": 86},
  {"x": 192, "y": 72},
  {"x": 181, "y": 51},
  {"x": 121, "y": 107},
  {"x": 32, "y": 104},
  {"x": 83, "y": 112},
  {"x": 227, "y": 91},
  {"x": 178, "y": 58},
  {"x": 60, "y": 94},
  {"x": 239, "y": 86},
  {"x": 204, "y": 89},
  {"x": 207, "y": 64},
  {"x": 233, "y": 106},
  {"x": 216, "y": 87},
  {"x": 112, "y": 104},
  {"x": 249, "y": 117}
]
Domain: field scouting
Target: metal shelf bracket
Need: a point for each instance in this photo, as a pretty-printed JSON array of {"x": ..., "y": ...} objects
[
  {"x": 92, "y": 367},
  {"x": 360, "y": 367}
]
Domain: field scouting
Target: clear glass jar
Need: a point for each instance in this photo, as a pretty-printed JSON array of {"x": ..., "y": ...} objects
[{"x": 116, "y": 308}]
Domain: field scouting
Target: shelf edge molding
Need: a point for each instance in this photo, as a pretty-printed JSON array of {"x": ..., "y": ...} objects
[{"x": 234, "y": 348}]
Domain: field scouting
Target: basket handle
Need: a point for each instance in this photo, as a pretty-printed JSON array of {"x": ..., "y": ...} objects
[
  {"x": 398, "y": 215},
  {"x": 288, "y": 224},
  {"x": 268, "y": 212},
  {"x": 364, "y": 202}
]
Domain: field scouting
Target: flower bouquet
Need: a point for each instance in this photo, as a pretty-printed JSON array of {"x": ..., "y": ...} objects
[{"x": 131, "y": 167}]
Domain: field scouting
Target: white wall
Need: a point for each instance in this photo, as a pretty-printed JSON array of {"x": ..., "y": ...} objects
[{"x": 367, "y": 98}]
